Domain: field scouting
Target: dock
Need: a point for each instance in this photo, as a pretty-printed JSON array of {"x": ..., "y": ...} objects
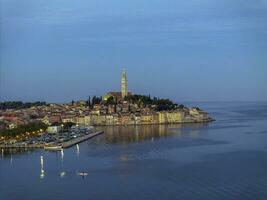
[{"x": 56, "y": 146}]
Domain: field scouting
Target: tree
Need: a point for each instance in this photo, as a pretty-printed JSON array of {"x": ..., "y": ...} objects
[
  {"x": 197, "y": 108},
  {"x": 96, "y": 100},
  {"x": 89, "y": 102},
  {"x": 68, "y": 125},
  {"x": 19, "y": 104},
  {"x": 181, "y": 106},
  {"x": 111, "y": 100},
  {"x": 22, "y": 129},
  {"x": 93, "y": 100},
  {"x": 116, "y": 100}
]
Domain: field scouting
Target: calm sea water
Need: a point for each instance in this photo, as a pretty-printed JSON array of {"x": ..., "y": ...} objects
[{"x": 223, "y": 160}]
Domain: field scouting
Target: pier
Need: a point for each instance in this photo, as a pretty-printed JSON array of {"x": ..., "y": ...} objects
[{"x": 80, "y": 139}]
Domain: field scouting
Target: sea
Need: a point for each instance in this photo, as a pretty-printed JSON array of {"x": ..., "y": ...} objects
[{"x": 222, "y": 160}]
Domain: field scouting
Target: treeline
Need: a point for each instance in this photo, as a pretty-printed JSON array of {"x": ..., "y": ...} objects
[
  {"x": 161, "y": 104},
  {"x": 90, "y": 102},
  {"x": 19, "y": 104},
  {"x": 148, "y": 100},
  {"x": 22, "y": 129}
]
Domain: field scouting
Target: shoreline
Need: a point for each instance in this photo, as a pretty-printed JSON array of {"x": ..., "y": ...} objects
[{"x": 143, "y": 124}]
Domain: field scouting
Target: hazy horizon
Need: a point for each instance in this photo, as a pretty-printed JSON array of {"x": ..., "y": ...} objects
[{"x": 183, "y": 50}]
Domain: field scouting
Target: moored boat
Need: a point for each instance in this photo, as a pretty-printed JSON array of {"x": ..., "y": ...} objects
[{"x": 53, "y": 148}]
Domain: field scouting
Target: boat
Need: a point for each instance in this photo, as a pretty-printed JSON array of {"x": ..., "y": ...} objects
[
  {"x": 82, "y": 174},
  {"x": 53, "y": 148}
]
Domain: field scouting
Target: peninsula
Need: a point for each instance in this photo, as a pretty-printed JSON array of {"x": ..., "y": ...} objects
[
  {"x": 20, "y": 120},
  {"x": 115, "y": 108}
]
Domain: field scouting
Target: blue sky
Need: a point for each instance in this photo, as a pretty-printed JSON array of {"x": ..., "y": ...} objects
[{"x": 193, "y": 50}]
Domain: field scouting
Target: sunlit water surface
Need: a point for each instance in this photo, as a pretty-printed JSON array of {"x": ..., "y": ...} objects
[{"x": 225, "y": 159}]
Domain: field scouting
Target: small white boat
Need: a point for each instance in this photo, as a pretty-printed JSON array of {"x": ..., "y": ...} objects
[
  {"x": 83, "y": 174},
  {"x": 53, "y": 148}
]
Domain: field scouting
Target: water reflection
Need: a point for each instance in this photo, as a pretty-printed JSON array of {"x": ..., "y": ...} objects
[
  {"x": 77, "y": 150},
  {"x": 135, "y": 134},
  {"x": 62, "y": 155},
  {"x": 124, "y": 157},
  {"x": 42, "y": 173},
  {"x": 6, "y": 153}
]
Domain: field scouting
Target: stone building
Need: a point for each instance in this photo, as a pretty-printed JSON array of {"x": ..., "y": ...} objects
[{"x": 124, "y": 90}]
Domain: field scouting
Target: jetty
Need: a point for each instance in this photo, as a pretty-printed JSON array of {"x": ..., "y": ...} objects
[{"x": 80, "y": 139}]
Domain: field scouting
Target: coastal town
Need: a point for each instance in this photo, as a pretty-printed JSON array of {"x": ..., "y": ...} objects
[{"x": 113, "y": 109}]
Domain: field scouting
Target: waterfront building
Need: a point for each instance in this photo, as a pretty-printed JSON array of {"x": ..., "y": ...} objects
[
  {"x": 174, "y": 117},
  {"x": 87, "y": 120},
  {"x": 55, "y": 119},
  {"x": 109, "y": 120},
  {"x": 80, "y": 120},
  {"x": 147, "y": 119},
  {"x": 68, "y": 119},
  {"x": 111, "y": 109},
  {"x": 54, "y": 129},
  {"x": 12, "y": 126}
]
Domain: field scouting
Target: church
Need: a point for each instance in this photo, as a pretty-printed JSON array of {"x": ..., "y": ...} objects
[{"x": 124, "y": 89}]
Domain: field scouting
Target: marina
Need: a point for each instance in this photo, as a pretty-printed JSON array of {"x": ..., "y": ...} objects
[{"x": 56, "y": 144}]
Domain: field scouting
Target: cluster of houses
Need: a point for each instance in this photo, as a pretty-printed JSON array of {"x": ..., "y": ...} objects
[{"x": 123, "y": 113}]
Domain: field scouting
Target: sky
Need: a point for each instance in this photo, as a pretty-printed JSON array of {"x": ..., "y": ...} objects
[{"x": 190, "y": 50}]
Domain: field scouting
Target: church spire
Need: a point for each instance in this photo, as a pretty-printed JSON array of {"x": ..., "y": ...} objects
[{"x": 124, "y": 84}]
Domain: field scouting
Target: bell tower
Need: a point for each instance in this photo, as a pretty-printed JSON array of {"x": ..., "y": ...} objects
[{"x": 124, "y": 84}]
